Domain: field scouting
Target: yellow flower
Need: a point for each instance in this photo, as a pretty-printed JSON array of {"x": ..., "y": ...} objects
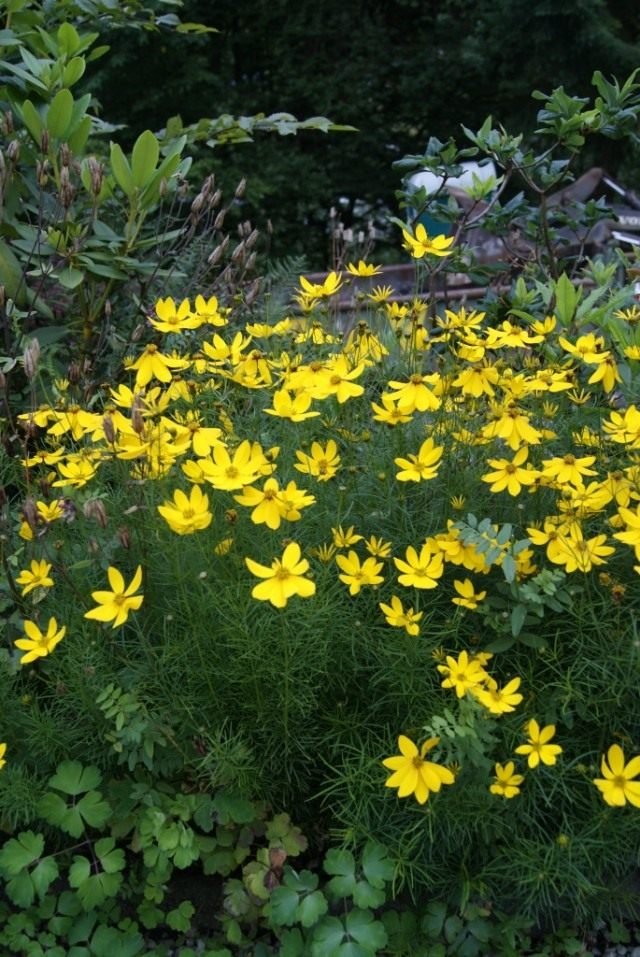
[
  {"x": 295, "y": 408},
  {"x": 498, "y": 700},
  {"x": 377, "y": 547},
  {"x": 567, "y": 469},
  {"x": 578, "y": 554},
  {"x": 420, "y": 570},
  {"x": 186, "y": 515},
  {"x": 462, "y": 674},
  {"x": 38, "y": 644},
  {"x": 632, "y": 314},
  {"x": 75, "y": 473},
  {"x": 228, "y": 473},
  {"x": 322, "y": 464},
  {"x": 398, "y": 617},
  {"x": 172, "y": 318},
  {"x": 266, "y": 505},
  {"x": 283, "y": 579},
  {"x": 331, "y": 285},
  {"x": 37, "y": 576},
  {"x": 3, "y": 751},
  {"x": 506, "y": 783},
  {"x": 415, "y": 395},
  {"x": 537, "y": 747},
  {"x": 422, "y": 466},
  {"x": 509, "y": 475},
  {"x": 389, "y": 412},
  {"x": 116, "y": 604},
  {"x": 412, "y": 774},
  {"x": 616, "y": 784},
  {"x": 363, "y": 269},
  {"x": 343, "y": 538},
  {"x": 467, "y": 597},
  {"x": 420, "y": 245},
  {"x": 152, "y": 364},
  {"x": 357, "y": 575},
  {"x": 224, "y": 546},
  {"x": 380, "y": 293}
]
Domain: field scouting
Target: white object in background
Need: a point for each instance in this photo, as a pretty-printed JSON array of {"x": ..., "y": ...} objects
[{"x": 433, "y": 182}]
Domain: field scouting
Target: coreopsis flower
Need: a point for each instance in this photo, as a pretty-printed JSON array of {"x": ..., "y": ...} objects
[
  {"x": 322, "y": 463},
  {"x": 343, "y": 538},
  {"x": 506, "y": 783},
  {"x": 325, "y": 553},
  {"x": 477, "y": 380},
  {"x": 187, "y": 514},
  {"x": 265, "y": 503},
  {"x": 338, "y": 380},
  {"x": 412, "y": 774},
  {"x": 3, "y": 751},
  {"x": 38, "y": 644},
  {"x": 579, "y": 554},
  {"x": 462, "y": 673},
  {"x": 73, "y": 421},
  {"x": 312, "y": 290},
  {"x": 607, "y": 373},
  {"x": 283, "y": 579},
  {"x": 538, "y": 747},
  {"x": 398, "y": 617},
  {"x": 209, "y": 312},
  {"x": 588, "y": 348},
  {"x": 36, "y": 576},
  {"x": 415, "y": 395},
  {"x": 567, "y": 469},
  {"x": 380, "y": 294},
  {"x": 509, "y": 475},
  {"x": 292, "y": 499},
  {"x": 377, "y": 547},
  {"x": 617, "y": 784},
  {"x": 631, "y": 314},
  {"x": 422, "y": 466},
  {"x": 75, "y": 473},
  {"x": 390, "y": 412},
  {"x": 357, "y": 574},
  {"x": 420, "y": 570},
  {"x": 363, "y": 269},
  {"x": 296, "y": 408},
  {"x": 512, "y": 425},
  {"x": 153, "y": 364},
  {"x": 498, "y": 700},
  {"x": 230, "y": 472},
  {"x": 631, "y": 533},
  {"x": 116, "y": 604},
  {"x": 172, "y": 318},
  {"x": 419, "y": 244},
  {"x": 467, "y": 597}
]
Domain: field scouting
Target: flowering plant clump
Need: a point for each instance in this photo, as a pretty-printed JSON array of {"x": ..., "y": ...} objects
[{"x": 426, "y": 530}]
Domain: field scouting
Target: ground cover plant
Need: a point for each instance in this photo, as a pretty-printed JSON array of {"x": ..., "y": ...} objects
[{"x": 387, "y": 584}]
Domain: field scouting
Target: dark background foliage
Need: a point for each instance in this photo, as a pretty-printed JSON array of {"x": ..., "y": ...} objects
[{"x": 398, "y": 70}]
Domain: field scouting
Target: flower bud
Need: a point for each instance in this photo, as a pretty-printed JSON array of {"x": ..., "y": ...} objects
[
  {"x": 94, "y": 509},
  {"x": 30, "y": 358},
  {"x": 218, "y": 252},
  {"x": 240, "y": 188},
  {"x": 124, "y": 537},
  {"x": 13, "y": 151},
  {"x": 219, "y": 220}
]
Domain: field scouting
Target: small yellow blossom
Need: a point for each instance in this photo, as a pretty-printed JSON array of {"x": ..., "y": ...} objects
[
  {"x": 116, "y": 604},
  {"x": 617, "y": 784},
  {"x": 36, "y": 576},
  {"x": 506, "y": 783},
  {"x": 283, "y": 579},
  {"x": 462, "y": 674},
  {"x": 419, "y": 244},
  {"x": 412, "y": 774},
  {"x": 187, "y": 514},
  {"x": 357, "y": 574},
  {"x": 38, "y": 644},
  {"x": 467, "y": 597},
  {"x": 399, "y": 617},
  {"x": 538, "y": 747}
]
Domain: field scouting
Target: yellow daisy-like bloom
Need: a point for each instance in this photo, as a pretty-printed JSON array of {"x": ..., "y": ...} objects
[
  {"x": 467, "y": 597},
  {"x": 412, "y": 774},
  {"x": 3, "y": 751},
  {"x": 422, "y": 466},
  {"x": 498, "y": 700},
  {"x": 419, "y": 244},
  {"x": 343, "y": 538},
  {"x": 538, "y": 747},
  {"x": 283, "y": 579},
  {"x": 363, "y": 269},
  {"x": 616, "y": 784},
  {"x": 322, "y": 464},
  {"x": 356, "y": 574},
  {"x": 380, "y": 293},
  {"x": 311, "y": 290},
  {"x": 172, "y": 318},
  {"x": 377, "y": 547},
  {"x": 187, "y": 514},
  {"x": 510, "y": 476},
  {"x": 295, "y": 408},
  {"x": 38, "y": 644},
  {"x": 463, "y": 673},
  {"x": 36, "y": 576},
  {"x": 152, "y": 364},
  {"x": 420, "y": 570},
  {"x": 398, "y": 617},
  {"x": 116, "y": 604},
  {"x": 506, "y": 783}
]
